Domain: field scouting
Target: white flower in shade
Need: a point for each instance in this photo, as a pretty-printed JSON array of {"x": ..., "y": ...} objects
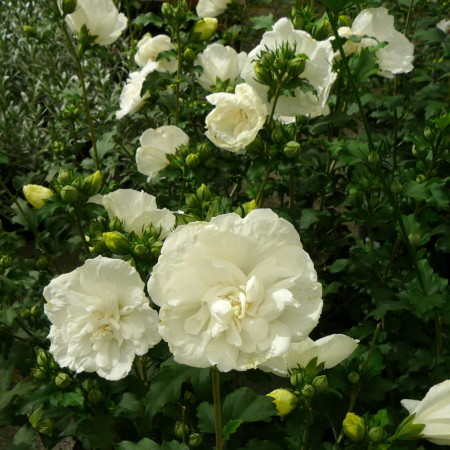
[
  {"x": 235, "y": 292},
  {"x": 330, "y": 350},
  {"x": 211, "y": 8},
  {"x": 130, "y": 98},
  {"x": 433, "y": 411},
  {"x": 101, "y": 19},
  {"x": 378, "y": 26},
  {"x": 235, "y": 121},
  {"x": 137, "y": 210},
  {"x": 444, "y": 25},
  {"x": 156, "y": 143},
  {"x": 100, "y": 318},
  {"x": 317, "y": 71},
  {"x": 219, "y": 61},
  {"x": 148, "y": 49}
]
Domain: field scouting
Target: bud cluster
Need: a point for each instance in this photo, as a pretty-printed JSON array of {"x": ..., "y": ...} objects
[
  {"x": 190, "y": 157},
  {"x": 308, "y": 381},
  {"x": 48, "y": 369},
  {"x": 76, "y": 189}
]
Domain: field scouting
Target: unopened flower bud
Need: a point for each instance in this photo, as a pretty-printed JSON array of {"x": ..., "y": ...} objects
[
  {"x": 408, "y": 430},
  {"x": 280, "y": 64},
  {"x": 115, "y": 224},
  {"x": 36, "y": 311},
  {"x": 421, "y": 178},
  {"x": 396, "y": 187},
  {"x": 92, "y": 183},
  {"x": 140, "y": 250},
  {"x": 297, "y": 66},
  {"x": 428, "y": 133},
  {"x": 117, "y": 242},
  {"x": 203, "y": 193},
  {"x": 353, "y": 377},
  {"x": 167, "y": 10},
  {"x": 25, "y": 313},
  {"x": 62, "y": 380},
  {"x": 156, "y": 249},
  {"x": 180, "y": 430},
  {"x": 5, "y": 262},
  {"x": 414, "y": 239},
  {"x": 68, "y": 6},
  {"x": 296, "y": 379},
  {"x": 39, "y": 374},
  {"x": 191, "y": 200},
  {"x": 37, "y": 195},
  {"x": 180, "y": 11},
  {"x": 320, "y": 383},
  {"x": 292, "y": 149},
  {"x": 192, "y": 160},
  {"x": 344, "y": 21},
  {"x": 354, "y": 427},
  {"x": 69, "y": 194},
  {"x": 43, "y": 358},
  {"x": 194, "y": 440},
  {"x": 285, "y": 401},
  {"x": 376, "y": 434},
  {"x": 42, "y": 263},
  {"x": 95, "y": 396},
  {"x": 204, "y": 150},
  {"x": 189, "y": 55},
  {"x": 63, "y": 177},
  {"x": 263, "y": 74},
  {"x": 204, "y": 28},
  {"x": 256, "y": 147},
  {"x": 322, "y": 30},
  {"x": 308, "y": 391},
  {"x": 373, "y": 157},
  {"x": 277, "y": 136}
]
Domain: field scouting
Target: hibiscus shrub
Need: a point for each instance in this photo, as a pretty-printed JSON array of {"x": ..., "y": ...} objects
[{"x": 225, "y": 224}]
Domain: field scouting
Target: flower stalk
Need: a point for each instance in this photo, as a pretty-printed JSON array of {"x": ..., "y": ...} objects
[{"x": 215, "y": 377}]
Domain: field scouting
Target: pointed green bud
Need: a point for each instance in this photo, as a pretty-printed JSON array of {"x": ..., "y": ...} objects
[
  {"x": 408, "y": 430},
  {"x": 246, "y": 208},
  {"x": 204, "y": 150},
  {"x": 140, "y": 250},
  {"x": 353, "y": 377},
  {"x": 320, "y": 383},
  {"x": 64, "y": 177},
  {"x": 43, "y": 358},
  {"x": 117, "y": 242},
  {"x": 39, "y": 374},
  {"x": 414, "y": 239},
  {"x": 292, "y": 149},
  {"x": 25, "y": 313},
  {"x": 377, "y": 434},
  {"x": 297, "y": 66},
  {"x": 191, "y": 201},
  {"x": 92, "y": 183},
  {"x": 308, "y": 391},
  {"x": 95, "y": 396},
  {"x": 167, "y": 10},
  {"x": 280, "y": 64},
  {"x": 195, "y": 440},
  {"x": 189, "y": 55},
  {"x": 373, "y": 157},
  {"x": 69, "y": 194},
  {"x": 256, "y": 147},
  {"x": 421, "y": 178},
  {"x": 68, "y": 6},
  {"x": 204, "y": 28},
  {"x": 180, "y": 430},
  {"x": 115, "y": 224},
  {"x": 36, "y": 311},
  {"x": 277, "y": 136},
  {"x": 296, "y": 378},
  {"x": 354, "y": 427},
  {"x": 203, "y": 193},
  {"x": 322, "y": 30},
  {"x": 396, "y": 187},
  {"x": 5, "y": 262},
  {"x": 62, "y": 380},
  {"x": 285, "y": 401},
  {"x": 263, "y": 74},
  {"x": 192, "y": 160},
  {"x": 42, "y": 263},
  {"x": 344, "y": 21}
]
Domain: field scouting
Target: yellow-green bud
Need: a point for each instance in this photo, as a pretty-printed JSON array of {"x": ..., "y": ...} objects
[
  {"x": 167, "y": 10},
  {"x": 92, "y": 183},
  {"x": 421, "y": 178},
  {"x": 322, "y": 30},
  {"x": 189, "y": 55},
  {"x": 115, "y": 224},
  {"x": 5, "y": 262},
  {"x": 36, "y": 311},
  {"x": 117, "y": 242},
  {"x": 39, "y": 374},
  {"x": 68, "y": 6},
  {"x": 292, "y": 149},
  {"x": 62, "y": 380},
  {"x": 245, "y": 208},
  {"x": 428, "y": 133},
  {"x": 354, "y": 427},
  {"x": 69, "y": 194},
  {"x": 408, "y": 430},
  {"x": 320, "y": 383},
  {"x": 263, "y": 74},
  {"x": 43, "y": 357},
  {"x": 29, "y": 31},
  {"x": 194, "y": 440},
  {"x": 203, "y": 193},
  {"x": 204, "y": 28},
  {"x": 25, "y": 313},
  {"x": 414, "y": 239},
  {"x": 376, "y": 434},
  {"x": 396, "y": 187},
  {"x": 37, "y": 195},
  {"x": 308, "y": 391},
  {"x": 63, "y": 177},
  {"x": 285, "y": 401},
  {"x": 373, "y": 157},
  {"x": 180, "y": 430},
  {"x": 140, "y": 250},
  {"x": 296, "y": 379},
  {"x": 94, "y": 396},
  {"x": 192, "y": 160},
  {"x": 297, "y": 66},
  {"x": 344, "y": 21},
  {"x": 280, "y": 64},
  {"x": 353, "y": 377},
  {"x": 42, "y": 263},
  {"x": 277, "y": 136},
  {"x": 191, "y": 200}
]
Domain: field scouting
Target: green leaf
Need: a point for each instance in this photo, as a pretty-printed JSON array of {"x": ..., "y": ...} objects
[
  {"x": 143, "y": 444},
  {"x": 174, "y": 445},
  {"x": 61, "y": 398},
  {"x": 205, "y": 414},
  {"x": 24, "y": 439},
  {"x": 166, "y": 385},
  {"x": 364, "y": 64},
  {"x": 96, "y": 432},
  {"x": 231, "y": 427},
  {"x": 248, "y": 406},
  {"x": 263, "y": 22},
  {"x": 144, "y": 19},
  {"x": 339, "y": 5},
  {"x": 3, "y": 157}
]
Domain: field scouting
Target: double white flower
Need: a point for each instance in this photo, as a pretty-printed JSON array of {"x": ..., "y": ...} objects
[
  {"x": 100, "y": 17},
  {"x": 100, "y": 318},
  {"x": 378, "y": 26},
  {"x": 235, "y": 292},
  {"x": 317, "y": 72},
  {"x": 235, "y": 121},
  {"x": 148, "y": 49}
]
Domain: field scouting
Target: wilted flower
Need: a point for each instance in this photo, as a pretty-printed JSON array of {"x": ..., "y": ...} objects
[
  {"x": 236, "y": 119},
  {"x": 137, "y": 210},
  {"x": 130, "y": 98},
  {"x": 378, "y": 26},
  {"x": 444, "y": 25},
  {"x": 285, "y": 401},
  {"x": 155, "y": 145},
  {"x": 100, "y": 318},
  {"x": 235, "y": 292},
  {"x": 330, "y": 350},
  {"x": 219, "y": 62},
  {"x": 36, "y": 195},
  {"x": 433, "y": 411},
  {"x": 148, "y": 49},
  {"x": 100, "y": 17},
  {"x": 211, "y": 8},
  {"x": 317, "y": 70}
]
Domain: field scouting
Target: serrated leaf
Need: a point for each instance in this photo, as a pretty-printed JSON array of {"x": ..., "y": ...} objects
[
  {"x": 143, "y": 444},
  {"x": 364, "y": 64},
  {"x": 263, "y": 22},
  {"x": 144, "y": 19},
  {"x": 61, "y": 398},
  {"x": 247, "y": 405},
  {"x": 24, "y": 439},
  {"x": 205, "y": 414},
  {"x": 231, "y": 427}
]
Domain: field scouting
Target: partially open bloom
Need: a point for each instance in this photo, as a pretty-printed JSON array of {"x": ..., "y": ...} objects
[
  {"x": 317, "y": 71},
  {"x": 219, "y": 62},
  {"x": 433, "y": 411},
  {"x": 148, "y": 49},
  {"x": 235, "y": 292},
  {"x": 374, "y": 26},
  {"x": 137, "y": 210},
  {"x": 236, "y": 119},
  {"x": 100, "y": 17},
  {"x": 330, "y": 350},
  {"x": 130, "y": 98},
  {"x": 204, "y": 28},
  {"x": 444, "y": 26},
  {"x": 285, "y": 401},
  {"x": 211, "y": 8},
  {"x": 100, "y": 318},
  {"x": 156, "y": 143},
  {"x": 36, "y": 195}
]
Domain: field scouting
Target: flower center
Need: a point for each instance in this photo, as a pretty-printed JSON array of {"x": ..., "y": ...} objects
[{"x": 238, "y": 302}]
